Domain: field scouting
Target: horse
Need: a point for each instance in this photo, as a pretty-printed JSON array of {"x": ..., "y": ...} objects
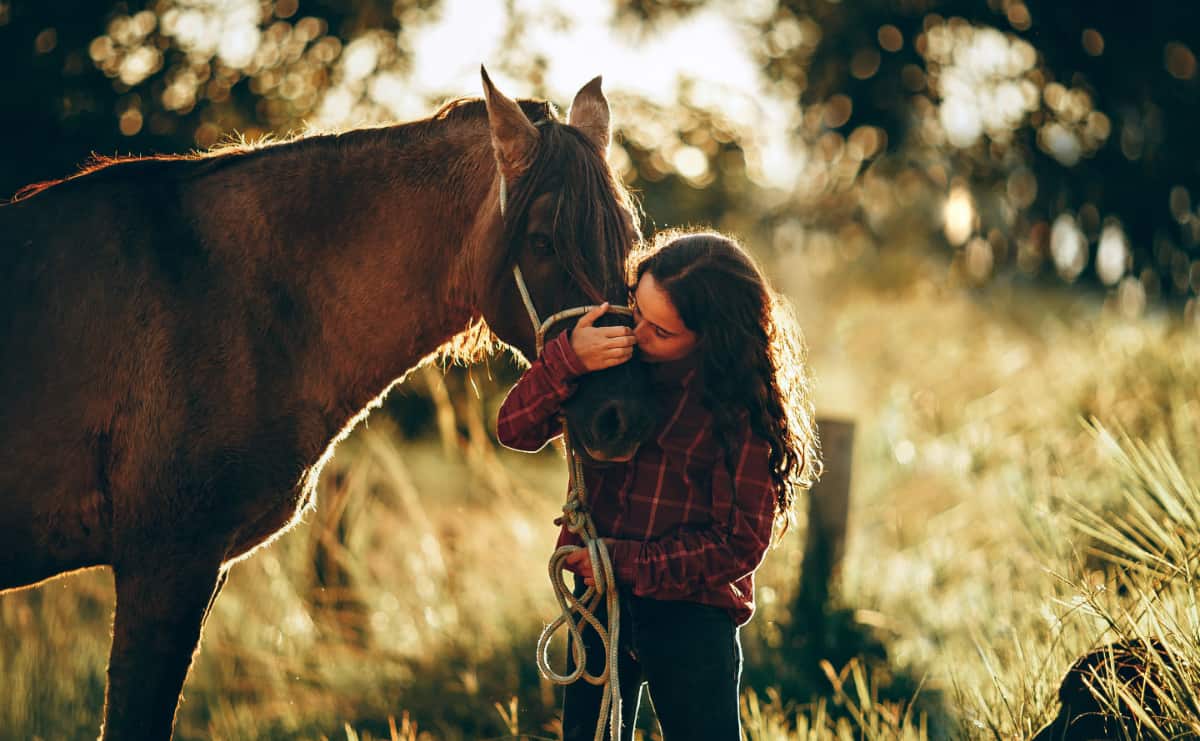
[{"x": 187, "y": 337}]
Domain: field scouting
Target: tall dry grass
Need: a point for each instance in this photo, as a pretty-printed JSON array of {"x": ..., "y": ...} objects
[{"x": 996, "y": 535}]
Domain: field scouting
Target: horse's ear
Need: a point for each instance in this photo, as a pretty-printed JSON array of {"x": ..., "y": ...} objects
[
  {"x": 589, "y": 114},
  {"x": 514, "y": 138}
]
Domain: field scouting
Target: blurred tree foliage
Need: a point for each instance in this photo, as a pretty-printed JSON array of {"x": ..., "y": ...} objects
[
  {"x": 1066, "y": 112},
  {"x": 1037, "y": 137},
  {"x": 160, "y": 76}
]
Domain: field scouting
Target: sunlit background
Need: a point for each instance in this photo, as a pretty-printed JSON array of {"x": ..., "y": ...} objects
[{"x": 986, "y": 212}]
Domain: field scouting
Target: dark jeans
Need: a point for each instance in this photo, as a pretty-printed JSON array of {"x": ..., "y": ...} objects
[{"x": 689, "y": 655}]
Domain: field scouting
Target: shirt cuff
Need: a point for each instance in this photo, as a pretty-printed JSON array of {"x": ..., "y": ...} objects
[
  {"x": 560, "y": 358},
  {"x": 624, "y": 554}
]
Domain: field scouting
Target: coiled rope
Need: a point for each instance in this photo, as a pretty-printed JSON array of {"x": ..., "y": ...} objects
[{"x": 578, "y": 521}]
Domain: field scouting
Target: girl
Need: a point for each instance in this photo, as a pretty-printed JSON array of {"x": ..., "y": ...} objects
[{"x": 688, "y": 519}]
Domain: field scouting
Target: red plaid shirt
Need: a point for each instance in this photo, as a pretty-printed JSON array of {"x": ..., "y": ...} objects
[{"x": 685, "y": 529}]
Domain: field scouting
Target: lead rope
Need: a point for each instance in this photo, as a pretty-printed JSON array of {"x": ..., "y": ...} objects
[{"x": 578, "y": 520}]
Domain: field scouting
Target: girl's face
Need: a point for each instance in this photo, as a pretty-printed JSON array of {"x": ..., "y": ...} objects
[{"x": 661, "y": 334}]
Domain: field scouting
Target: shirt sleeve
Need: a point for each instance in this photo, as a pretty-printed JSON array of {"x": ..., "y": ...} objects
[
  {"x": 528, "y": 418},
  {"x": 694, "y": 559}
]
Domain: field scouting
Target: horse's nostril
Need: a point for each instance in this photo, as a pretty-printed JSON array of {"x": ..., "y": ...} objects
[{"x": 609, "y": 424}]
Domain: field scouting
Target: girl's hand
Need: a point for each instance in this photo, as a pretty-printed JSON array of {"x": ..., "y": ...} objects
[
  {"x": 601, "y": 347},
  {"x": 580, "y": 562}
]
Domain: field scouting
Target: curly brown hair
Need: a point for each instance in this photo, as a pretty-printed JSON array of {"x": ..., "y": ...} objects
[{"x": 754, "y": 358}]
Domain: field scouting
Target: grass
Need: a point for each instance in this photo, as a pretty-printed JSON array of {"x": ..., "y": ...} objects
[{"x": 1025, "y": 490}]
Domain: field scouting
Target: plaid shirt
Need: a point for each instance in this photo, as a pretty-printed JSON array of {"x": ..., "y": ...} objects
[{"x": 684, "y": 528}]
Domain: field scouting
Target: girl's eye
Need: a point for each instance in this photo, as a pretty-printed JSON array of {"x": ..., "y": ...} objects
[
  {"x": 541, "y": 244},
  {"x": 661, "y": 333}
]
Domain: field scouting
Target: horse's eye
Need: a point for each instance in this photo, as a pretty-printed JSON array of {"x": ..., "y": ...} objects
[{"x": 541, "y": 245}]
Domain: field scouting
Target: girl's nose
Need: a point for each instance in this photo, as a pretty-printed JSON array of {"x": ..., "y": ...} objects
[{"x": 639, "y": 330}]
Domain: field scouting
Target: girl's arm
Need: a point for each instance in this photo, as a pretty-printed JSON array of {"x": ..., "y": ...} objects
[
  {"x": 694, "y": 559},
  {"x": 528, "y": 417}
]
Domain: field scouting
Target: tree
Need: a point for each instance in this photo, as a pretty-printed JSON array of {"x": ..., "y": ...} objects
[
  {"x": 164, "y": 76},
  {"x": 1058, "y": 134}
]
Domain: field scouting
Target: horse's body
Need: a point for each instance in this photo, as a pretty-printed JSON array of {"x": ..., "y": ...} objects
[{"x": 183, "y": 340}]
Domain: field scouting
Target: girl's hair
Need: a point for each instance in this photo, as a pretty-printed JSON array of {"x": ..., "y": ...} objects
[{"x": 754, "y": 359}]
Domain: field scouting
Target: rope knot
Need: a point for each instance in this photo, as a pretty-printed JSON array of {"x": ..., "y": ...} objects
[{"x": 576, "y": 516}]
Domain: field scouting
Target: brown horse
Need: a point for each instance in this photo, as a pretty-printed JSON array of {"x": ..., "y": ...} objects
[{"x": 185, "y": 338}]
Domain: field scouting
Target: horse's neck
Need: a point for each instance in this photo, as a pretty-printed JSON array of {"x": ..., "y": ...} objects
[{"x": 366, "y": 235}]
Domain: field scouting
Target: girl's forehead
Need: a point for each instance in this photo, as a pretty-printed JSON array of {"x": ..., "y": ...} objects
[{"x": 655, "y": 305}]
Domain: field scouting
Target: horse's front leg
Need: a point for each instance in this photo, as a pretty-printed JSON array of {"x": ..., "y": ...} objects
[{"x": 162, "y": 601}]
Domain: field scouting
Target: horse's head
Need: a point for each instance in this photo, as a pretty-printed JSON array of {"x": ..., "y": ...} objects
[{"x": 569, "y": 226}]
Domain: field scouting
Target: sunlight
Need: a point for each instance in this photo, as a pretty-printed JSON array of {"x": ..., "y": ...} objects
[
  {"x": 360, "y": 58},
  {"x": 982, "y": 80},
  {"x": 959, "y": 215},
  {"x": 708, "y": 52},
  {"x": 1112, "y": 256},
  {"x": 703, "y": 60},
  {"x": 448, "y": 49},
  {"x": 228, "y": 28},
  {"x": 690, "y": 162},
  {"x": 1068, "y": 247}
]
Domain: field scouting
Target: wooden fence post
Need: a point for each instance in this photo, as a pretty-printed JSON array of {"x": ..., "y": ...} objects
[{"x": 828, "y": 512}]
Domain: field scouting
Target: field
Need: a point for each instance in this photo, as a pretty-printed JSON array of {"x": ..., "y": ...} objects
[{"x": 1025, "y": 490}]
